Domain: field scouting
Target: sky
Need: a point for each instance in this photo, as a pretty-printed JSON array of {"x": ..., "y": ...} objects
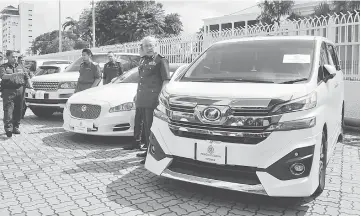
[{"x": 46, "y": 13}]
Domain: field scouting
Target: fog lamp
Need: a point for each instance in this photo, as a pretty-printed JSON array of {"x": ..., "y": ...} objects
[{"x": 297, "y": 168}]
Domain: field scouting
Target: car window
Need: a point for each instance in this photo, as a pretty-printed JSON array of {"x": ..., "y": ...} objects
[
  {"x": 333, "y": 55},
  {"x": 31, "y": 65},
  {"x": 132, "y": 76},
  {"x": 324, "y": 60},
  {"x": 268, "y": 60},
  {"x": 101, "y": 59},
  {"x": 47, "y": 70}
]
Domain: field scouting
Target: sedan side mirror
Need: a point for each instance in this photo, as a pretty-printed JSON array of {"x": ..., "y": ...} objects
[{"x": 329, "y": 72}]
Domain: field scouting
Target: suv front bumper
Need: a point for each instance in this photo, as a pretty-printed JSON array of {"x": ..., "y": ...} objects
[{"x": 261, "y": 168}]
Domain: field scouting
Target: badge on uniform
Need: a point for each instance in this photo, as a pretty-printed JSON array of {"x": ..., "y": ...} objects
[{"x": 152, "y": 63}]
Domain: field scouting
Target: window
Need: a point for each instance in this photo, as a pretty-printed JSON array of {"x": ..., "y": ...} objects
[
  {"x": 30, "y": 15},
  {"x": 30, "y": 36},
  {"x": 333, "y": 55},
  {"x": 30, "y": 19},
  {"x": 323, "y": 60},
  {"x": 30, "y": 30},
  {"x": 30, "y": 10},
  {"x": 30, "y": 25},
  {"x": 259, "y": 61},
  {"x": 46, "y": 70}
]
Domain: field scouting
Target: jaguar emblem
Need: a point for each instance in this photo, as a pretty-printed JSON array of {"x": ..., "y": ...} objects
[
  {"x": 83, "y": 108},
  {"x": 212, "y": 114}
]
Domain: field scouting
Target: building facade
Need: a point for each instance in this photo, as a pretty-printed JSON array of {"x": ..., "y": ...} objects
[
  {"x": 245, "y": 20},
  {"x": 17, "y": 28}
]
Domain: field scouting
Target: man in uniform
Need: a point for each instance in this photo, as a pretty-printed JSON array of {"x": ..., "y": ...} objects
[
  {"x": 153, "y": 75},
  {"x": 21, "y": 63},
  {"x": 13, "y": 79},
  {"x": 112, "y": 69}
]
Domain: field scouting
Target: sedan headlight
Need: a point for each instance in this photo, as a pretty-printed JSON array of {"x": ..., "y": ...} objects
[
  {"x": 123, "y": 107},
  {"x": 300, "y": 104},
  {"x": 68, "y": 85}
]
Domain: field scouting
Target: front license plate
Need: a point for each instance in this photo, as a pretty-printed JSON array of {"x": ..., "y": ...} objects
[
  {"x": 78, "y": 129},
  {"x": 39, "y": 94},
  {"x": 81, "y": 125},
  {"x": 211, "y": 152}
]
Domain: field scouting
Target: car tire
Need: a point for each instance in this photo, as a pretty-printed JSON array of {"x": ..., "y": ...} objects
[
  {"x": 322, "y": 166},
  {"x": 42, "y": 112}
]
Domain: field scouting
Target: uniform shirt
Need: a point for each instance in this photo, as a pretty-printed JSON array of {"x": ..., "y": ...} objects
[
  {"x": 112, "y": 70},
  {"x": 18, "y": 79},
  {"x": 153, "y": 71},
  {"x": 89, "y": 72}
]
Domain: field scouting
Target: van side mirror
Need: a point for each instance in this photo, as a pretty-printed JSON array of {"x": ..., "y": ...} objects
[{"x": 329, "y": 72}]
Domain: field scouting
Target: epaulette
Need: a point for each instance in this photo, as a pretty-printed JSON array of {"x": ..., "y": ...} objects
[{"x": 161, "y": 55}]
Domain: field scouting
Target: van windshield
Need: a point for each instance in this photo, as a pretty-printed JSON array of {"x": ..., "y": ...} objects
[{"x": 269, "y": 61}]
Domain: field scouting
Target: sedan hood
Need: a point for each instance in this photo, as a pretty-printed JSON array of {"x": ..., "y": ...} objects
[
  {"x": 114, "y": 94},
  {"x": 238, "y": 90},
  {"x": 57, "y": 77}
]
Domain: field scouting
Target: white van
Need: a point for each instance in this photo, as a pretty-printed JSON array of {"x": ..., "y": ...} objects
[
  {"x": 258, "y": 115},
  {"x": 53, "y": 90}
]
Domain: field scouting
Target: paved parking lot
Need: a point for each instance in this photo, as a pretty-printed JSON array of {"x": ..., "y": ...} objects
[{"x": 47, "y": 171}]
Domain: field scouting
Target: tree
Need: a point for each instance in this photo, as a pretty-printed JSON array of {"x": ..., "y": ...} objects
[
  {"x": 49, "y": 42},
  {"x": 323, "y": 9},
  {"x": 273, "y": 11},
  {"x": 125, "y": 21},
  {"x": 345, "y": 6},
  {"x": 172, "y": 25}
]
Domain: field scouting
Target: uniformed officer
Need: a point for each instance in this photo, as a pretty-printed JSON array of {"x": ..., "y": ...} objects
[
  {"x": 112, "y": 69},
  {"x": 153, "y": 75},
  {"x": 90, "y": 74},
  {"x": 14, "y": 78},
  {"x": 21, "y": 62}
]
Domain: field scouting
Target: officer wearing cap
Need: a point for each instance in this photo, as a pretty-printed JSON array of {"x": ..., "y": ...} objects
[
  {"x": 90, "y": 74},
  {"x": 112, "y": 69},
  {"x": 14, "y": 78},
  {"x": 153, "y": 75}
]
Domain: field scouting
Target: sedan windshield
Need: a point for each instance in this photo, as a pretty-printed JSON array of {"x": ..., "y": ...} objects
[{"x": 267, "y": 61}]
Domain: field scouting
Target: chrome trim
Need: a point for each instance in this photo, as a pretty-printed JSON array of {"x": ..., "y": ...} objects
[
  {"x": 254, "y": 189},
  {"x": 219, "y": 132}
]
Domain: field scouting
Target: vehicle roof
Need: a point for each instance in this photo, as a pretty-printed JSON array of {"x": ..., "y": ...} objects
[
  {"x": 32, "y": 59},
  {"x": 54, "y": 65},
  {"x": 116, "y": 53},
  {"x": 314, "y": 38}
]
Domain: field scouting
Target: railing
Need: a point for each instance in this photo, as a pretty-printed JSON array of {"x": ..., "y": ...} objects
[{"x": 342, "y": 29}]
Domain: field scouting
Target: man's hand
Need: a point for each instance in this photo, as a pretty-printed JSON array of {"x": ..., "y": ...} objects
[{"x": 135, "y": 98}]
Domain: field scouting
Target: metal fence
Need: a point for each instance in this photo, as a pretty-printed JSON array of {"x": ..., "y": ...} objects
[{"x": 342, "y": 29}]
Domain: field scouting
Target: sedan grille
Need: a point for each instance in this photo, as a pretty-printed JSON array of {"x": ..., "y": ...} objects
[
  {"x": 85, "y": 111},
  {"x": 46, "y": 86}
]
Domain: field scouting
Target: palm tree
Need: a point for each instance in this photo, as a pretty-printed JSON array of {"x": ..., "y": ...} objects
[
  {"x": 273, "y": 11},
  {"x": 72, "y": 24}
]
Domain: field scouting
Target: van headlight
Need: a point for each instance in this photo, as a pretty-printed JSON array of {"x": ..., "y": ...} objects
[
  {"x": 68, "y": 85},
  {"x": 163, "y": 107},
  {"x": 123, "y": 107},
  {"x": 304, "y": 103},
  {"x": 293, "y": 125}
]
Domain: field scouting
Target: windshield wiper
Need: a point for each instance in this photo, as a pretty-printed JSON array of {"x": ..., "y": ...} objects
[
  {"x": 230, "y": 80},
  {"x": 294, "y": 81}
]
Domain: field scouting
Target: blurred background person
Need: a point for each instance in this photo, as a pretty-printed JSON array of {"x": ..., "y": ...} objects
[
  {"x": 112, "y": 68},
  {"x": 90, "y": 73}
]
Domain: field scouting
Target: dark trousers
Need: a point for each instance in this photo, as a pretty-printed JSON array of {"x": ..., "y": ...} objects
[
  {"x": 13, "y": 107},
  {"x": 142, "y": 123}
]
